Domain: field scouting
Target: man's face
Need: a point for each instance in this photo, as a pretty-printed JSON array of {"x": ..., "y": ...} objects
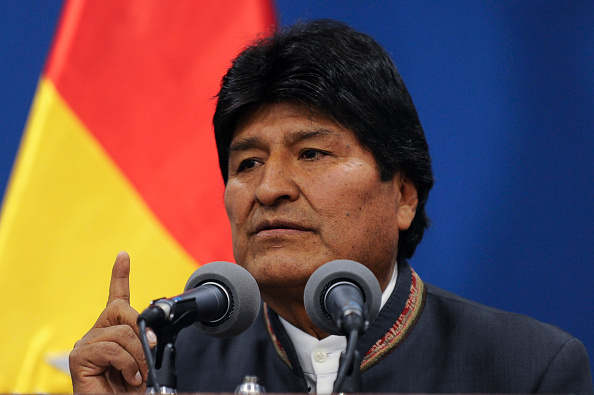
[{"x": 302, "y": 192}]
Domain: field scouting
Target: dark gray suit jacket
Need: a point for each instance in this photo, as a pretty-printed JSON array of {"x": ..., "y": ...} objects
[{"x": 424, "y": 340}]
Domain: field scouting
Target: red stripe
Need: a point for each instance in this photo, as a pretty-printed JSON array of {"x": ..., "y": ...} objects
[{"x": 141, "y": 75}]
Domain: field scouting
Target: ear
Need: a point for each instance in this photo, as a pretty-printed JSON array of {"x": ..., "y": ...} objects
[{"x": 408, "y": 200}]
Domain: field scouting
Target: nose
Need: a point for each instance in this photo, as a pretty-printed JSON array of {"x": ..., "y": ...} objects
[{"x": 276, "y": 184}]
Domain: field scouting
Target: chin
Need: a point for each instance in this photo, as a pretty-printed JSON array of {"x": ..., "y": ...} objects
[
  {"x": 271, "y": 279},
  {"x": 275, "y": 269},
  {"x": 280, "y": 277}
]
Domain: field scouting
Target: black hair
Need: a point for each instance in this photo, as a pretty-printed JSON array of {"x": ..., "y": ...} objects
[{"x": 343, "y": 75}]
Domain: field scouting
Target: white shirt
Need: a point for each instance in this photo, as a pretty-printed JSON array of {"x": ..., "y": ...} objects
[{"x": 319, "y": 359}]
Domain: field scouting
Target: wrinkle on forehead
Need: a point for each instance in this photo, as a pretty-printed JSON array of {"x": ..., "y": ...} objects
[
  {"x": 297, "y": 108},
  {"x": 289, "y": 138}
]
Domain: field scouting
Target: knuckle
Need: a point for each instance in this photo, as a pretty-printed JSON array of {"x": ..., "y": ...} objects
[
  {"x": 118, "y": 303},
  {"x": 79, "y": 343},
  {"x": 111, "y": 352},
  {"x": 128, "y": 334},
  {"x": 74, "y": 355},
  {"x": 116, "y": 313}
]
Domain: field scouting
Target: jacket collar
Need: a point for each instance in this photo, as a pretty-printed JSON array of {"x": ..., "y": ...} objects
[{"x": 391, "y": 327}]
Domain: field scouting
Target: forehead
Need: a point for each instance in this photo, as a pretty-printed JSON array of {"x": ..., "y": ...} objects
[{"x": 287, "y": 122}]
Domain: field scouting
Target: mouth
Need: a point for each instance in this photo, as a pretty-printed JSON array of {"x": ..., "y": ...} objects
[{"x": 279, "y": 226}]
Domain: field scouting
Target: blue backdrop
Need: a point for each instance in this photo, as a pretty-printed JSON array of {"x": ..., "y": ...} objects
[{"x": 505, "y": 92}]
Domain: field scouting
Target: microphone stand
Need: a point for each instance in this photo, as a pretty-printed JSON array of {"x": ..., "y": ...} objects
[
  {"x": 352, "y": 379},
  {"x": 348, "y": 378},
  {"x": 162, "y": 378}
]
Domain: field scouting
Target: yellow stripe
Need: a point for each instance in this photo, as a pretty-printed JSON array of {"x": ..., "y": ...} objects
[{"x": 68, "y": 211}]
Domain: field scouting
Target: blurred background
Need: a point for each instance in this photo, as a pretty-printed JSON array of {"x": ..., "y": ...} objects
[{"x": 505, "y": 93}]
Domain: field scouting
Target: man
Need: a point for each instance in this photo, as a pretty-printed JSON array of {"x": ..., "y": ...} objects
[{"x": 324, "y": 158}]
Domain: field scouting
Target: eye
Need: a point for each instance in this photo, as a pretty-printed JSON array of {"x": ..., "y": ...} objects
[
  {"x": 311, "y": 154},
  {"x": 247, "y": 164}
]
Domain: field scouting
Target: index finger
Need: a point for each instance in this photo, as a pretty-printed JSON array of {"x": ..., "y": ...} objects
[{"x": 119, "y": 286}]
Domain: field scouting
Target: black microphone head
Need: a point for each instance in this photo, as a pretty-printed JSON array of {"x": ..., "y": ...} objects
[
  {"x": 244, "y": 296},
  {"x": 331, "y": 273}
]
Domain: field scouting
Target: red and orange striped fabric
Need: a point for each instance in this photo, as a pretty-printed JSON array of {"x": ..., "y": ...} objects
[{"x": 118, "y": 154}]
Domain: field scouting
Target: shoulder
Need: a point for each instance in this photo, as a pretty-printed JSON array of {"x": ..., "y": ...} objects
[
  {"x": 466, "y": 315},
  {"x": 488, "y": 324},
  {"x": 551, "y": 358}
]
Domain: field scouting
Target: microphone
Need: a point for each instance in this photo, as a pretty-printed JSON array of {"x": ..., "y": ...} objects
[
  {"x": 342, "y": 295},
  {"x": 221, "y": 299}
]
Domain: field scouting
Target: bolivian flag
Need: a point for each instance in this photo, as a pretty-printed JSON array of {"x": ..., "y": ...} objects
[{"x": 118, "y": 154}]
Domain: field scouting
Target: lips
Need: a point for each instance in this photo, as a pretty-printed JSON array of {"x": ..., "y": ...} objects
[{"x": 279, "y": 224}]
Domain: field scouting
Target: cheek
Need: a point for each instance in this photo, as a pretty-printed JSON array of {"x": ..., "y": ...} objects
[
  {"x": 346, "y": 192},
  {"x": 236, "y": 211},
  {"x": 374, "y": 235},
  {"x": 236, "y": 217},
  {"x": 335, "y": 185},
  {"x": 360, "y": 214},
  {"x": 228, "y": 198}
]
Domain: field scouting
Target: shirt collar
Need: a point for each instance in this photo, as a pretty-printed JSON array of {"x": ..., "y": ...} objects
[{"x": 305, "y": 344}]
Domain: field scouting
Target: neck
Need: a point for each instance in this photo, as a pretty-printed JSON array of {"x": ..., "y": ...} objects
[{"x": 289, "y": 306}]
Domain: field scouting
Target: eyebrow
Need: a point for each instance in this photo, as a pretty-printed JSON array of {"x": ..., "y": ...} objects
[{"x": 247, "y": 143}]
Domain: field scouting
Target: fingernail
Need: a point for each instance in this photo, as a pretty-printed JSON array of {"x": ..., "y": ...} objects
[
  {"x": 151, "y": 337},
  {"x": 138, "y": 378}
]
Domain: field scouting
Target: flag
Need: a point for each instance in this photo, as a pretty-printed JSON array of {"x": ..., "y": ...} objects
[{"x": 118, "y": 154}]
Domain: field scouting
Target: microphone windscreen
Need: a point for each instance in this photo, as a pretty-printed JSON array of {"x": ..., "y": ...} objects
[
  {"x": 331, "y": 273},
  {"x": 244, "y": 296}
]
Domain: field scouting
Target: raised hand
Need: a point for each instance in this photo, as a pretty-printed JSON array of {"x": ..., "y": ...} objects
[{"x": 109, "y": 357}]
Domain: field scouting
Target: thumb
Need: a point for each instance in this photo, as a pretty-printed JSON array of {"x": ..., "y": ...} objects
[{"x": 119, "y": 286}]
